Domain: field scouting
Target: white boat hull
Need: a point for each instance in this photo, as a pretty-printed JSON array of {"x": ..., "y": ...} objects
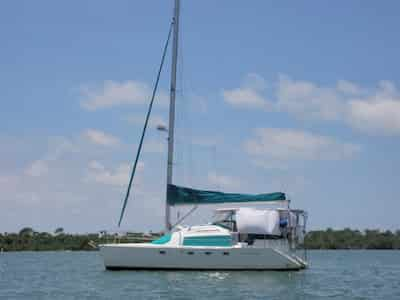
[{"x": 149, "y": 256}]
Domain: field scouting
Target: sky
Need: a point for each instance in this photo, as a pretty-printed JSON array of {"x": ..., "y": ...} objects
[{"x": 301, "y": 97}]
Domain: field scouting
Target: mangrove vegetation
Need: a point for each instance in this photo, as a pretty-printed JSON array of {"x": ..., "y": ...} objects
[{"x": 29, "y": 239}]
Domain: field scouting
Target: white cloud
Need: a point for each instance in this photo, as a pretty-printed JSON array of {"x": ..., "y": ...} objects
[
  {"x": 372, "y": 110},
  {"x": 79, "y": 176},
  {"x": 376, "y": 111},
  {"x": 95, "y": 165},
  {"x": 154, "y": 120},
  {"x": 274, "y": 146},
  {"x": 348, "y": 87},
  {"x": 37, "y": 168},
  {"x": 100, "y": 138},
  {"x": 244, "y": 97},
  {"x": 8, "y": 183},
  {"x": 207, "y": 141},
  {"x": 255, "y": 81},
  {"x": 376, "y": 116},
  {"x": 249, "y": 95},
  {"x": 114, "y": 93},
  {"x": 118, "y": 176},
  {"x": 220, "y": 181},
  {"x": 379, "y": 113},
  {"x": 154, "y": 146},
  {"x": 307, "y": 100},
  {"x": 57, "y": 147}
]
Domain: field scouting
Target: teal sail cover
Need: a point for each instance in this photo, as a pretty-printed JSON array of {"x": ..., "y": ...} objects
[{"x": 178, "y": 195}]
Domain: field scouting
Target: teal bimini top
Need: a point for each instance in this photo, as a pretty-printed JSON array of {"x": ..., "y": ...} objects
[{"x": 178, "y": 195}]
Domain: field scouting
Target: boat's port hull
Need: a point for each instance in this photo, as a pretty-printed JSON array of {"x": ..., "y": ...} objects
[
  {"x": 113, "y": 268},
  {"x": 152, "y": 257}
]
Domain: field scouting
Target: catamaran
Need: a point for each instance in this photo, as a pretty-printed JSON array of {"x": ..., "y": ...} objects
[{"x": 238, "y": 238}]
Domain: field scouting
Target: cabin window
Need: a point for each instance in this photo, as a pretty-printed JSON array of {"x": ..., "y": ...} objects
[
  {"x": 162, "y": 252},
  {"x": 210, "y": 240},
  {"x": 190, "y": 253},
  {"x": 226, "y": 253},
  {"x": 226, "y": 219},
  {"x": 208, "y": 253}
]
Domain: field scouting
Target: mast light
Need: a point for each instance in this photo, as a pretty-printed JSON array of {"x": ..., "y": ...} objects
[{"x": 162, "y": 127}]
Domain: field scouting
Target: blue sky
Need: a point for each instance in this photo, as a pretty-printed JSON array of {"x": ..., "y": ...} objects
[{"x": 300, "y": 97}]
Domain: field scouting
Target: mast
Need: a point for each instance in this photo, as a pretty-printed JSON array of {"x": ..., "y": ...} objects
[{"x": 172, "y": 109}]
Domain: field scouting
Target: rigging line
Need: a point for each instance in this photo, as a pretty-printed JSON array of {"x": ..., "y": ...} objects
[
  {"x": 180, "y": 220},
  {"x": 145, "y": 125}
]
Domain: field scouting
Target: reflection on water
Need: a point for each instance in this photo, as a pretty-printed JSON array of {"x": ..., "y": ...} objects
[{"x": 70, "y": 275}]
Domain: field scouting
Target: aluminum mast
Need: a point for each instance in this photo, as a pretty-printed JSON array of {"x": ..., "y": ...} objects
[{"x": 172, "y": 110}]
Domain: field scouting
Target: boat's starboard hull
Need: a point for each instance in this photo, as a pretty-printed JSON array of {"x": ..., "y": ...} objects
[{"x": 150, "y": 257}]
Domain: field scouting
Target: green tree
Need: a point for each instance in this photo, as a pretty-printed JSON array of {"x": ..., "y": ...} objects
[
  {"x": 26, "y": 231},
  {"x": 59, "y": 230}
]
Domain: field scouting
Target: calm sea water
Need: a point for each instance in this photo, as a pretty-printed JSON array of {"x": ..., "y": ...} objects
[{"x": 80, "y": 275}]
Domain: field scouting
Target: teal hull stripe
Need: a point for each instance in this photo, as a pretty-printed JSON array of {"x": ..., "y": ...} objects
[
  {"x": 162, "y": 240},
  {"x": 217, "y": 241}
]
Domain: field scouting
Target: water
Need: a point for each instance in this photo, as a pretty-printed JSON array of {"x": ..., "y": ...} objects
[{"x": 80, "y": 275}]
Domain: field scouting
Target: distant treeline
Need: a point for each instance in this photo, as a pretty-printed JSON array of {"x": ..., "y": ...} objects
[
  {"x": 29, "y": 239},
  {"x": 352, "y": 239}
]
